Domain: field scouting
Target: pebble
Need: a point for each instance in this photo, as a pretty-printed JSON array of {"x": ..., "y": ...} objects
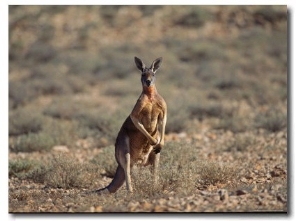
[
  {"x": 223, "y": 195},
  {"x": 241, "y": 192}
]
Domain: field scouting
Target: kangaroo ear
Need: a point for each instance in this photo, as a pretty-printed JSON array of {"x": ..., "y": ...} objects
[
  {"x": 139, "y": 63},
  {"x": 156, "y": 64}
]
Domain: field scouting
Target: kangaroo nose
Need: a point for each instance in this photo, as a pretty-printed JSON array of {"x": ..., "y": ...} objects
[{"x": 148, "y": 82}]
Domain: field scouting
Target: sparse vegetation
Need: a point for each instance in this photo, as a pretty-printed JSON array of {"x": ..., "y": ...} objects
[
  {"x": 273, "y": 120},
  {"x": 72, "y": 85}
]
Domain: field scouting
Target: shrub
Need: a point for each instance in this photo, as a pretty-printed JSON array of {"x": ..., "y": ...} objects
[
  {"x": 196, "y": 17},
  {"x": 20, "y": 94},
  {"x": 268, "y": 14},
  {"x": 32, "y": 142},
  {"x": 63, "y": 108},
  {"x": 106, "y": 160},
  {"x": 202, "y": 110},
  {"x": 233, "y": 123},
  {"x": 20, "y": 168},
  {"x": 24, "y": 121},
  {"x": 241, "y": 142},
  {"x": 178, "y": 168},
  {"x": 65, "y": 172},
  {"x": 41, "y": 52},
  {"x": 273, "y": 120},
  {"x": 212, "y": 173},
  {"x": 60, "y": 172},
  {"x": 227, "y": 83},
  {"x": 53, "y": 133},
  {"x": 106, "y": 124}
]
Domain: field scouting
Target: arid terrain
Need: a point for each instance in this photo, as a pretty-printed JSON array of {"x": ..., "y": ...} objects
[{"x": 73, "y": 81}]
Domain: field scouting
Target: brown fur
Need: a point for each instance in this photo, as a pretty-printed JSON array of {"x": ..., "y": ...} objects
[{"x": 141, "y": 136}]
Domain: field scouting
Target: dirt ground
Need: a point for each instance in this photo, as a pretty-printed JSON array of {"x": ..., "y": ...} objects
[{"x": 72, "y": 83}]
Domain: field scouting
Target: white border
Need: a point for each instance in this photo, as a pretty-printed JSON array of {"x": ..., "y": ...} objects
[{"x": 295, "y": 118}]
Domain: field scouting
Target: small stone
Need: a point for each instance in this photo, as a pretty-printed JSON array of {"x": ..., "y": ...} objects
[
  {"x": 223, "y": 195},
  {"x": 188, "y": 207},
  {"x": 241, "y": 192},
  {"x": 98, "y": 209},
  {"x": 133, "y": 206},
  {"x": 159, "y": 208},
  {"x": 244, "y": 180},
  {"x": 92, "y": 209},
  {"x": 281, "y": 198},
  {"x": 146, "y": 205},
  {"x": 254, "y": 189}
]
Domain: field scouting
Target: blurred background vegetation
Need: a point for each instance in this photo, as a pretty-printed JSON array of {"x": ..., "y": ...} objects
[{"x": 72, "y": 75}]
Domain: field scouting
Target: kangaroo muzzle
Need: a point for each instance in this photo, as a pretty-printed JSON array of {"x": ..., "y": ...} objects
[{"x": 148, "y": 83}]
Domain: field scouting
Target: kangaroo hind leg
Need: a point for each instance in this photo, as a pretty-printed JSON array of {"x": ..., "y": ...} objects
[
  {"x": 153, "y": 160},
  {"x": 123, "y": 157}
]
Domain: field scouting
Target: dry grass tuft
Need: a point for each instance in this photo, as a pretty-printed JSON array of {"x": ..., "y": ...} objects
[
  {"x": 65, "y": 172},
  {"x": 212, "y": 173}
]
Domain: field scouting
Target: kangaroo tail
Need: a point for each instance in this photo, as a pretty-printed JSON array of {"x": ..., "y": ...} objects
[{"x": 115, "y": 184}]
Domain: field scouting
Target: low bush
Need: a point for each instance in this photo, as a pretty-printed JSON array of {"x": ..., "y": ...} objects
[
  {"x": 273, "y": 120},
  {"x": 107, "y": 161},
  {"x": 212, "y": 173},
  {"x": 32, "y": 142},
  {"x": 21, "y": 168},
  {"x": 65, "y": 172},
  {"x": 212, "y": 109},
  {"x": 20, "y": 94},
  {"x": 196, "y": 17},
  {"x": 24, "y": 121}
]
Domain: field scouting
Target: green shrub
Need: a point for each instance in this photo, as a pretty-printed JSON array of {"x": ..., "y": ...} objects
[
  {"x": 203, "y": 110},
  {"x": 227, "y": 83},
  {"x": 24, "y": 121},
  {"x": 240, "y": 142},
  {"x": 41, "y": 52},
  {"x": 212, "y": 173},
  {"x": 273, "y": 120},
  {"x": 195, "y": 17},
  {"x": 32, "y": 142},
  {"x": 106, "y": 160},
  {"x": 21, "y": 168},
  {"x": 177, "y": 118},
  {"x": 233, "y": 123},
  {"x": 63, "y": 108},
  {"x": 20, "y": 94},
  {"x": 65, "y": 172},
  {"x": 106, "y": 124},
  {"x": 269, "y": 14},
  {"x": 53, "y": 133}
]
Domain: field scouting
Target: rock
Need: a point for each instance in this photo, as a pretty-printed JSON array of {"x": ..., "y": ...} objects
[
  {"x": 241, "y": 192},
  {"x": 188, "y": 207},
  {"x": 132, "y": 206},
  {"x": 92, "y": 209},
  {"x": 98, "y": 209},
  {"x": 281, "y": 198},
  {"x": 159, "y": 209},
  {"x": 244, "y": 180},
  {"x": 146, "y": 206},
  {"x": 223, "y": 193}
]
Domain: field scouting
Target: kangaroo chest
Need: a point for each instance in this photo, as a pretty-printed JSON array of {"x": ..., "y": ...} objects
[{"x": 149, "y": 116}]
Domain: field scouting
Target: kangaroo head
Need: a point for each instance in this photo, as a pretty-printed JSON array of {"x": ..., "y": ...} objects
[{"x": 148, "y": 74}]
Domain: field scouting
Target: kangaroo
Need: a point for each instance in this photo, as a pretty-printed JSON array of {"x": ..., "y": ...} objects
[{"x": 141, "y": 136}]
